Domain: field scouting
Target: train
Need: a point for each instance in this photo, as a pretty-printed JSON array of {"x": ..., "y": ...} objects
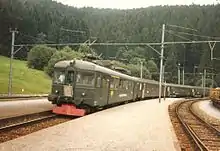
[
  {"x": 80, "y": 87},
  {"x": 215, "y": 96}
]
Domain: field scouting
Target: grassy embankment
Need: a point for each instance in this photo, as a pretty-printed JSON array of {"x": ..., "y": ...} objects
[{"x": 30, "y": 80}]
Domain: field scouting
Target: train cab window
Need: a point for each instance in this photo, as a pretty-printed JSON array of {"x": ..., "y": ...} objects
[
  {"x": 70, "y": 77},
  {"x": 59, "y": 77}
]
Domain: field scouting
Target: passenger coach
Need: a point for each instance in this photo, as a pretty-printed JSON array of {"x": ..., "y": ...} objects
[{"x": 80, "y": 86}]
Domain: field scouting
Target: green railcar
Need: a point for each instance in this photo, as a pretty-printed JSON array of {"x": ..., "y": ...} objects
[{"x": 79, "y": 87}]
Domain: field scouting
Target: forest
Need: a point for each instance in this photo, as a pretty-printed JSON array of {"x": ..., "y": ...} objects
[{"x": 44, "y": 21}]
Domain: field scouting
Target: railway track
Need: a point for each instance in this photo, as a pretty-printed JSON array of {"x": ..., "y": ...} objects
[
  {"x": 15, "y": 127},
  {"x": 14, "y": 122},
  {"x": 205, "y": 136}
]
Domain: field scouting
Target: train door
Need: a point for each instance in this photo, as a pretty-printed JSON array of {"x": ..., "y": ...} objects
[
  {"x": 106, "y": 88},
  {"x": 143, "y": 90},
  {"x": 135, "y": 91},
  {"x": 102, "y": 86}
]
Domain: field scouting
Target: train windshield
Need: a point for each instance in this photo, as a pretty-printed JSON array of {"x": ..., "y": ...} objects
[
  {"x": 59, "y": 77},
  {"x": 62, "y": 77}
]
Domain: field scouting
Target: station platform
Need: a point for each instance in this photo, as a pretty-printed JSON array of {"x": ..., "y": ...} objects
[
  {"x": 23, "y": 107},
  {"x": 138, "y": 126},
  {"x": 208, "y": 108}
]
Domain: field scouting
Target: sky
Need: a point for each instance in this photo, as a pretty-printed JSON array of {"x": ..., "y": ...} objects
[{"x": 128, "y": 4}]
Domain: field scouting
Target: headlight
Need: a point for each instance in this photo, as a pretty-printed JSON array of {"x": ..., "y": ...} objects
[
  {"x": 83, "y": 94},
  {"x": 56, "y": 91}
]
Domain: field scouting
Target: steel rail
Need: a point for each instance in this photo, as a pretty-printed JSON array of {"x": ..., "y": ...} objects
[
  {"x": 4, "y": 97},
  {"x": 203, "y": 121},
  {"x": 199, "y": 144},
  {"x": 23, "y": 123}
]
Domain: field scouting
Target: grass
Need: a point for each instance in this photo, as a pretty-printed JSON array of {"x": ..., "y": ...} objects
[{"x": 30, "y": 80}]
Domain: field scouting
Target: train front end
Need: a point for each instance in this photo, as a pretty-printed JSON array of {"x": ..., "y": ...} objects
[{"x": 62, "y": 92}]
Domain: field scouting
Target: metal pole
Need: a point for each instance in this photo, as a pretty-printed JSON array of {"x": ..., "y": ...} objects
[
  {"x": 163, "y": 74},
  {"x": 178, "y": 73},
  {"x": 141, "y": 69},
  {"x": 161, "y": 61},
  {"x": 204, "y": 82},
  {"x": 164, "y": 91},
  {"x": 212, "y": 80},
  {"x": 12, "y": 57},
  {"x": 183, "y": 77}
]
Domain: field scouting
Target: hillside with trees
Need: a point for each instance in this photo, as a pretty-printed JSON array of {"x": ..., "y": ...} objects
[{"x": 42, "y": 22}]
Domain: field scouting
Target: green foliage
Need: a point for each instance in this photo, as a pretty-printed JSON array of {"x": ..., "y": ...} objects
[
  {"x": 43, "y": 19},
  {"x": 135, "y": 60},
  {"x": 65, "y": 54},
  {"x": 86, "y": 49},
  {"x": 30, "y": 80},
  {"x": 39, "y": 56},
  {"x": 208, "y": 82},
  {"x": 151, "y": 66},
  {"x": 40, "y": 21},
  {"x": 136, "y": 70}
]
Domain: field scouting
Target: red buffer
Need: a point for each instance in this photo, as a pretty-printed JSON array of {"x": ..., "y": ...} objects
[{"x": 69, "y": 109}]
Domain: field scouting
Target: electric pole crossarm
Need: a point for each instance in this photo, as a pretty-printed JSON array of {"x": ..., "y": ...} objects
[
  {"x": 18, "y": 50},
  {"x": 154, "y": 49},
  {"x": 212, "y": 48}
]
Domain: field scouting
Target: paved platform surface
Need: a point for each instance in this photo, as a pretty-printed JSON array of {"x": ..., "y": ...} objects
[
  {"x": 22, "y": 107},
  {"x": 140, "y": 126},
  {"x": 209, "y": 109}
]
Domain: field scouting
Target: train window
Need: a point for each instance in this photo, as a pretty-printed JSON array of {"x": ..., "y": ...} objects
[
  {"x": 85, "y": 78},
  {"x": 114, "y": 83},
  {"x": 70, "y": 77},
  {"x": 98, "y": 82},
  {"x": 104, "y": 83},
  {"x": 121, "y": 83},
  {"x": 59, "y": 77},
  {"x": 125, "y": 84},
  {"x": 140, "y": 86},
  {"x": 130, "y": 84}
]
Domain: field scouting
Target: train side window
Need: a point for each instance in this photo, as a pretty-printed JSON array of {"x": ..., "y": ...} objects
[
  {"x": 104, "y": 82},
  {"x": 130, "y": 84},
  {"x": 111, "y": 83},
  {"x": 125, "y": 84},
  {"x": 116, "y": 83},
  {"x": 98, "y": 81},
  {"x": 140, "y": 86},
  {"x": 85, "y": 78},
  {"x": 121, "y": 83}
]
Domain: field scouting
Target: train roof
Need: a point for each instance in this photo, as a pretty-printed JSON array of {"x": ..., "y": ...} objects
[{"x": 85, "y": 65}]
